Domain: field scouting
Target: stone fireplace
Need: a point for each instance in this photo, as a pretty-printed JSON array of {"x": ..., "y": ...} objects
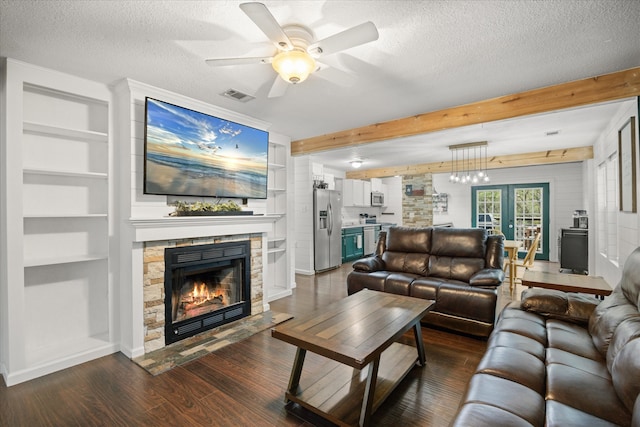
[{"x": 166, "y": 321}]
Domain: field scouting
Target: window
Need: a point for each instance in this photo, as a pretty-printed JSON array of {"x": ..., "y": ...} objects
[
  {"x": 607, "y": 205},
  {"x": 612, "y": 208}
]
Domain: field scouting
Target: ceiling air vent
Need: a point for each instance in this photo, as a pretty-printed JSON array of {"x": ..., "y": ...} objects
[
  {"x": 237, "y": 95},
  {"x": 552, "y": 132}
]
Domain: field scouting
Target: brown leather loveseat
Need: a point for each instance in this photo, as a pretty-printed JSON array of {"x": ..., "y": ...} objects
[
  {"x": 558, "y": 359},
  {"x": 458, "y": 268}
]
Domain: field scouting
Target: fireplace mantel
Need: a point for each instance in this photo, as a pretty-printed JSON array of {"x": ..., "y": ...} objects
[{"x": 166, "y": 228}]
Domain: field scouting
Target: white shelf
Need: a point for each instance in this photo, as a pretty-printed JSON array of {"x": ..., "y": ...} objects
[
  {"x": 278, "y": 281},
  {"x": 85, "y": 135},
  {"x": 70, "y": 174},
  {"x": 276, "y": 250},
  {"x": 60, "y": 165},
  {"x": 63, "y": 216},
  {"x": 279, "y": 239},
  {"x": 63, "y": 260}
]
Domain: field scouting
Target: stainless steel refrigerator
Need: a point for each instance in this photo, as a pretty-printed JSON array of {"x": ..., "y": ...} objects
[{"x": 327, "y": 225}]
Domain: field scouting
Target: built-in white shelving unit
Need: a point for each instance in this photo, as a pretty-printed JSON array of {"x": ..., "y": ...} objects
[
  {"x": 57, "y": 295},
  {"x": 279, "y": 282}
]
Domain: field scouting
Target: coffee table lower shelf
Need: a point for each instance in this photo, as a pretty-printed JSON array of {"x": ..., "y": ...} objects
[{"x": 335, "y": 391}]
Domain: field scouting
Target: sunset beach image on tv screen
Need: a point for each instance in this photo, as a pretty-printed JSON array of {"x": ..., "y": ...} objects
[{"x": 194, "y": 154}]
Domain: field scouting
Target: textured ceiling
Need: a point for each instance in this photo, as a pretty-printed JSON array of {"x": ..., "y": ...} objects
[{"x": 430, "y": 55}]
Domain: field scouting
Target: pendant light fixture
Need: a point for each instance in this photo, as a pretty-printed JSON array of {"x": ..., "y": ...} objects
[{"x": 472, "y": 169}]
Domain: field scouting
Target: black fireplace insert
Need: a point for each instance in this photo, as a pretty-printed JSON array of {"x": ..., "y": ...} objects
[{"x": 205, "y": 286}]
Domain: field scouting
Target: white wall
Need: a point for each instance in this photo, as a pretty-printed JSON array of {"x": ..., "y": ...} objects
[
  {"x": 303, "y": 215},
  {"x": 628, "y": 235},
  {"x": 565, "y": 181}
]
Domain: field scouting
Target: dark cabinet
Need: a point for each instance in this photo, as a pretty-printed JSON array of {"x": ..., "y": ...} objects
[
  {"x": 352, "y": 244},
  {"x": 574, "y": 252}
]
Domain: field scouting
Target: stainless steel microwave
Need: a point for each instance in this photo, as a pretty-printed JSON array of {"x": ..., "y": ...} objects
[{"x": 377, "y": 198}]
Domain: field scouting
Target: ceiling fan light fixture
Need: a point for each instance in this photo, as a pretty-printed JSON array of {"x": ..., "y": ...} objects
[
  {"x": 356, "y": 164},
  {"x": 294, "y": 66}
]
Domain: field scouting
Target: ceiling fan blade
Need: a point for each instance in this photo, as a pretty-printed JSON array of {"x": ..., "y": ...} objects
[
  {"x": 335, "y": 75},
  {"x": 278, "y": 88},
  {"x": 224, "y": 62},
  {"x": 261, "y": 16},
  {"x": 355, "y": 36}
]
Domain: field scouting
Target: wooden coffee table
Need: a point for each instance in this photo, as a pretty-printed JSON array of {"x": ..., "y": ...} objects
[
  {"x": 594, "y": 285},
  {"x": 357, "y": 332}
]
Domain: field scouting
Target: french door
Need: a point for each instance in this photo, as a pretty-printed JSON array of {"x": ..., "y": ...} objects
[{"x": 519, "y": 211}]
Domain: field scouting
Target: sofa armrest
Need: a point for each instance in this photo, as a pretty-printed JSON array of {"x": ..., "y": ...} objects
[
  {"x": 369, "y": 264},
  {"x": 487, "y": 277}
]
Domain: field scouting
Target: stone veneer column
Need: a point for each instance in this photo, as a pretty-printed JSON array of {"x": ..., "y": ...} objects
[
  {"x": 417, "y": 210},
  {"x": 153, "y": 281}
]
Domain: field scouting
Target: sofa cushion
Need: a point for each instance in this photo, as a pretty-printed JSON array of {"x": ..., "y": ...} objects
[
  {"x": 426, "y": 287},
  {"x": 415, "y": 263},
  {"x": 513, "y": 309},
  {"x": 595, "y": 367},
  {"x": 586, "y": 392},
  {"x": 459, "y": 242},
  {"x": 398, "y": 283},
  {"x": 507, "y": 395},
  {"x": 560, "y": 415},
  {"x": 515, "y": 365},
  {"x": 555, "y": 304},
  {"x": 453, "y": 299},
  {"x": 456, "y": 268},
  {"x": 409, "y": 239},
  {"x": 513, "y": 340},
  {"x": 525, "y": 327},
  {"x": 573, "y": 339},
  {"x": 482, "y": 415}
]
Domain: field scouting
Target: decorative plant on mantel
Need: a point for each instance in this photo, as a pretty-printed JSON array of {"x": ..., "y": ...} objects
[{"x": 205, "y": 208}]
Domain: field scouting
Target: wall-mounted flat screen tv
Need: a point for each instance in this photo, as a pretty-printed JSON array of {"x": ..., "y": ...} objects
[{"x": 188, "y": 153}]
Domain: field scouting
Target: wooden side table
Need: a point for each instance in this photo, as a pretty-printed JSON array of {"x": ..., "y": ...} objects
[{"x": 594, "y": 285}]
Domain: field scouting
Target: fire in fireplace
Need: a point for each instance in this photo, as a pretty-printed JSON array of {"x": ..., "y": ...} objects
[{"x": 205, "y": 286}]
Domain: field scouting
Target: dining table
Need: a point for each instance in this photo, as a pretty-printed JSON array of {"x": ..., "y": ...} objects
[{"x": 512, "y": 247}]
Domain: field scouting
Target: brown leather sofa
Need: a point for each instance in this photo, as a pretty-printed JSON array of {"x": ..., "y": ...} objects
[
  {"x": 561, "y": 360},
  {"x": 458, "y": 268}
]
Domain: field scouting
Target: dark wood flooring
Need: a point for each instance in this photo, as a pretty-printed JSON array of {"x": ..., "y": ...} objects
[{"x": 240, "y": 385}]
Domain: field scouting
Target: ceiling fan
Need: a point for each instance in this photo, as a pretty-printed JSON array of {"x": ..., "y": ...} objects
[{"x": 297, "y": 51}]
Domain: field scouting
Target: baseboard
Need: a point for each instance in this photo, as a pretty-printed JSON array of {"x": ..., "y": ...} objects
[{"x": 17, "y": 377}]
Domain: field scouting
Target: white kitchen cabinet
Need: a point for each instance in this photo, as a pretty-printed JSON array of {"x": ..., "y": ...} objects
[
  {"x": 353, "y": 192},
  {"x": 384, "y": 188},
  {"x": 347, "y": 192},
  {"x": 376, "y": 185},
  {"x": 366, "y": 193}
]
